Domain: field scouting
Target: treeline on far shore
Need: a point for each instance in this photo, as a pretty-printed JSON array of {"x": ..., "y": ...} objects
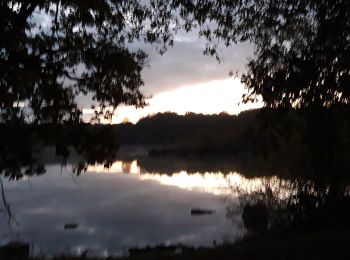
[
  {"x": 308, "y": 140},
  {"x": 284, "y": 141}
]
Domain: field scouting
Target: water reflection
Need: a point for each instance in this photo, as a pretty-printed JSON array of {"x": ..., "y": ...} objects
[
  {"x": 218, "y": 183},
  {"x": 295, "y": 206},
  {"x": 211, "y": 182},
  {"x": 125, "y": 205},
  {"x": 117, "y": 167},
  {"x": 113, "y": 212},
  {"x": 268, "y": 206}
]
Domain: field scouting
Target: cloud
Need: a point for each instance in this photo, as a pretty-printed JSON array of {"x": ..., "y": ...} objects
[
  {"x": 185, "y": 64},
  {"x": 181, "y": 66}
]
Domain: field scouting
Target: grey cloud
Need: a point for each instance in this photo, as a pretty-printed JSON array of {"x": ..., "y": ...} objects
[{"x": 184, "y": 64}]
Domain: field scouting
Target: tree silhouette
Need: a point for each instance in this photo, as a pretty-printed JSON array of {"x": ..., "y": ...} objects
[
  {"x": 22, "y": 151},
  {"x": 302, "y": 47},
  {"x": 54, "y": 51},
  {"x": 293, "y": 204}
]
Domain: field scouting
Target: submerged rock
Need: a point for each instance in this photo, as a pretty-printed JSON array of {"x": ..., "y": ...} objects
[
  {"x": 68, "y": 226},
  {"x": 198, "y": 212}
]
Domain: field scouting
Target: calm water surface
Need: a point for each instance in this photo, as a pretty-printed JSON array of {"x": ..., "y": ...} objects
[{"x": 118, "y": 208}]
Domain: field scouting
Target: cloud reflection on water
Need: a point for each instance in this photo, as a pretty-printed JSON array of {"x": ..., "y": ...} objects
[
  {"x": 216, "y": 183},
  {"x": 113, "y": 211}
]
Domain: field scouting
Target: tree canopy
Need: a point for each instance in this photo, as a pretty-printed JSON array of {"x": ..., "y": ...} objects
[
  {"x": 54, "y": 51},
  {"x": 302, "y": 47}
]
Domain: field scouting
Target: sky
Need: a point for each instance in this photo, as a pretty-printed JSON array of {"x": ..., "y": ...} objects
[{"x": 184, "y": 80}]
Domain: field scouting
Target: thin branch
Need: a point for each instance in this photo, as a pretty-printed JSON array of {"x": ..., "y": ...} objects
[{"x": 11, "y": 218}]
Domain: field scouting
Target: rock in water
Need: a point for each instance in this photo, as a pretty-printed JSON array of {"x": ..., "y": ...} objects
[
  {"x": 70, "y": 226},
  {"x": 199, "y": 212}
]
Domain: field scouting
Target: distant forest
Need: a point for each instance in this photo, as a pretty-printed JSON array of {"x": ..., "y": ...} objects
[
  {"x": 312, "y": 140},
  {"x": 288, "y": 142}
]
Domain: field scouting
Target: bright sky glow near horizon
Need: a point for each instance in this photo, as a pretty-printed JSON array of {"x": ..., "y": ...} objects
[
  {"x": 211, "y": 97},
  {"x": 184, "y": 80}
]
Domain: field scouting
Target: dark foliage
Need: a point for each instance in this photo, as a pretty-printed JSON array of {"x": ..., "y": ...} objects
[
  {"x": 301, "y": 58},
  {"x": 302, "y": 47},
  {"x": 53, "y": 51},
  {"x": 299, "y": 142},
  {"x": 21, "y": 148}
]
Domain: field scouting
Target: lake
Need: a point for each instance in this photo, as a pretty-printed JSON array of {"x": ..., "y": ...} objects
[
  {"x": 142, "y": 201},
  {"x": 117, "y": 208}
]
